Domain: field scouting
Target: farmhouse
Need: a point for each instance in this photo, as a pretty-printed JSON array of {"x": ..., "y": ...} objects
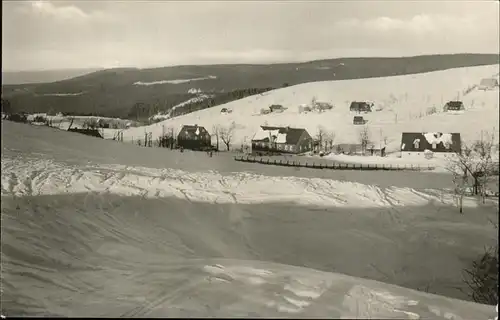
[
  {"x": 194, "y": 137},
  {"x": 361, "y": 106},
  {"x": 430, "y": 144},
  {"x": 454, "y": 106},
  {"x": 276, "y": 108},
  {"x": 281, "y": 140},
  {"x": 488, "y": 84}
]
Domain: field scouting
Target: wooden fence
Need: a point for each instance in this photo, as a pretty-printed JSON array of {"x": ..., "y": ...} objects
[{"x": 333, "y": 166}]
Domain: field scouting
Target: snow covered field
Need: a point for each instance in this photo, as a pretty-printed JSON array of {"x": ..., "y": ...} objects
[
  {"x": 403, "y": 102},
  {"x": 89, "y": 231}
]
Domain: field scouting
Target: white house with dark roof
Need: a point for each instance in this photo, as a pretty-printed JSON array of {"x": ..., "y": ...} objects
[{"x": 430, "y": 144}]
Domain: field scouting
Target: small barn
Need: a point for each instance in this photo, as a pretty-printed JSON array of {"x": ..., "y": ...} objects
[
  {"x": 488, "y": 84},
  {"x": 276, "y": 140},
  {"x": 194, "y": 137},
  {"x": 357, "y": 120},
  {"x": 304, "y": 108},
  {"x": 363, "y": 106},
  {"x": 454, "y": 106},
  {"x": 430, "y": 144}
]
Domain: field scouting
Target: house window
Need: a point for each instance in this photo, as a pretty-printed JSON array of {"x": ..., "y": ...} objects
[
  {"x": 433, "y": 145},
  {"x": 416, "y": 144},
  {"x": 447, "y": 145}
]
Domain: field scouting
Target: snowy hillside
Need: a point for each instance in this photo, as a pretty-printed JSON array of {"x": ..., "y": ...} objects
[
  {"x": 82, "y": 226},
  {"x": 404, "y": 104}
]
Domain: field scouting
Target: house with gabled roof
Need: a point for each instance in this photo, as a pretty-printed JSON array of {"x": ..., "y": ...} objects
[
  {"x": 454, "y": 106},
  {"x": 276, "y": 140},
  {"x": 430, "y": 144},
  {"x": 194, "y": 137},
  {"x": 360, "y": 106}
]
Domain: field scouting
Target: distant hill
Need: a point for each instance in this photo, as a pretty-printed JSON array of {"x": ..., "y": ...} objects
[
  {"x": 23, "y": 77},
  {"x": 138, "y": 93}
]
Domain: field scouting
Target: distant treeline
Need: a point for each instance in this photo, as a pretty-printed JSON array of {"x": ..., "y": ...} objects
[
  {"x": 142, "y": 111},
  {"x": 139, "y": 111}
]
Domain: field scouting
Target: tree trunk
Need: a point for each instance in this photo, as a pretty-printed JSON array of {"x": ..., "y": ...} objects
[
  {"x": 461, "y": 201},
  {"x": 476, "y": 186}
]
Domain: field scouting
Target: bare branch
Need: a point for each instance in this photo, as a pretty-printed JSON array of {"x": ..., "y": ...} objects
[{"x": 364, "y": 138}]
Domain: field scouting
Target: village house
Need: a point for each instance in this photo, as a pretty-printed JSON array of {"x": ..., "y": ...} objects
[
  {"x": 194, "y": 137},
  {"x": 363, "y": 106},
  {"x": 454, "y": 106},
  {"x": 430, "y": 144},
  {"x": 276, "y": 108},
  {"x": 281, "y": 140}
]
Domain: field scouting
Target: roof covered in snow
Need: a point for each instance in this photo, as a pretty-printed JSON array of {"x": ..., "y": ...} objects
[
  {"x": 192, "y": 130},
  {"x": 280, "y": 134},
  {"x": 434, "y": 141}
]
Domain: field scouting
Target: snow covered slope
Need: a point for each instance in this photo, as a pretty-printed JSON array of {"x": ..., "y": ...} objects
[
  {"x": 404, "y": 102},
  {"x": 85, "y": 237}
]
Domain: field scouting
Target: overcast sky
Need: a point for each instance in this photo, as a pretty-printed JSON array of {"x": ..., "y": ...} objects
[{"x": 42, "y": 35}]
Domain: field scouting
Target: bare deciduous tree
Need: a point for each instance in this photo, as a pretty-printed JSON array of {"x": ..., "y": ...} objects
[
  {"x": 313, "y": 102},
  {"x": 364, "y": 138},
  {"x": 325, "y": 139},
  {"x": 216, "y": 132},
  {"x": 320, "y": 136},
  {"x": 472, "y": 168},
  {"x": 226, "y": 135},
  {"x": 330, "y": 139}
]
